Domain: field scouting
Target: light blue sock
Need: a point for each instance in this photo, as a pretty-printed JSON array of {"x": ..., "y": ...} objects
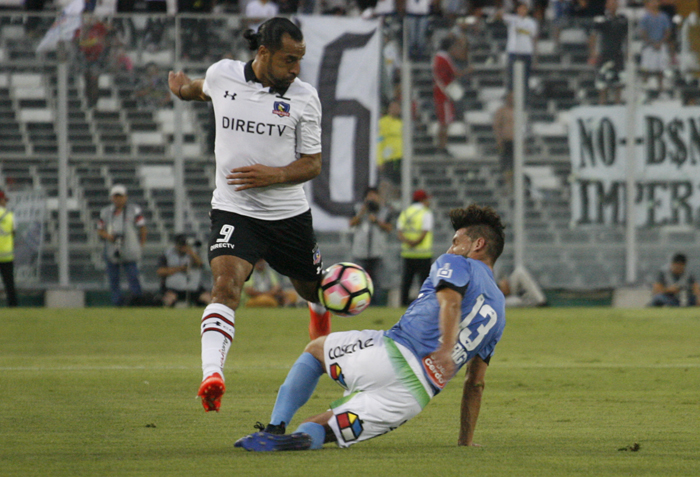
[
  {"x": 297, "y": 388},
  {"x": 316, "y": 431}
]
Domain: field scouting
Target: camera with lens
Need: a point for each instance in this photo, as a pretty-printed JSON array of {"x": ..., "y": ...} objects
[
  {"x": 372, "y": 206},
  {"x": 118, "y": 242}
]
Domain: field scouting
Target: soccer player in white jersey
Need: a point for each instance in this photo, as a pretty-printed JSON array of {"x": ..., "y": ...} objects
[
  {"x": 390, "y": 376},
  {"x": 268, "y": 143}
]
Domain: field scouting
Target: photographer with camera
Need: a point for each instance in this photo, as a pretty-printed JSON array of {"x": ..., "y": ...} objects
[
  {"x": 122, "y": 227},
  {"x": 180, "y": 269},
  {"x": 371, "y": 226}
]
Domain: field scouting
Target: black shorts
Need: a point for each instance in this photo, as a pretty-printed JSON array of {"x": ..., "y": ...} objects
[{"x": 289, "y": 245}]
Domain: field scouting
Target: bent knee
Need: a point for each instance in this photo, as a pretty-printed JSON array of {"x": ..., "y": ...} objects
[{"x": 315, "y": 348}]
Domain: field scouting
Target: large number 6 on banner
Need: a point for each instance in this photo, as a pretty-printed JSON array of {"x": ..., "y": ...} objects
[{"x": 333, "y": 108}]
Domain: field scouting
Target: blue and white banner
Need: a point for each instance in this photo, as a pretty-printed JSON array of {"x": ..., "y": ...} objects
[
  {"x": 342, "y": 62},
  {"x": 666, "y": 169}
]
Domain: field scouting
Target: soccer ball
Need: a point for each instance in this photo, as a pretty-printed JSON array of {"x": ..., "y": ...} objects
[{"x": 346, "y": 289}]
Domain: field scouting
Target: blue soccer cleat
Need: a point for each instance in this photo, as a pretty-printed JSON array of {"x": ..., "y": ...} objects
[{"x": 267, "y": 442}]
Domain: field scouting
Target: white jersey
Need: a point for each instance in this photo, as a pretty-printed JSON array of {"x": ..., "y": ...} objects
[
  {"x": 257, "y": 126},
  {"x": 522, "y": 32}
]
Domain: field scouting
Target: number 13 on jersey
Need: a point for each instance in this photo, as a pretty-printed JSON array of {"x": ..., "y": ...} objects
[{"x": 468, "y": 338}]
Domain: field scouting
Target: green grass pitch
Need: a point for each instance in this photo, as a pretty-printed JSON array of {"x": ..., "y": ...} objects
[{"x": 570, "y": 391}]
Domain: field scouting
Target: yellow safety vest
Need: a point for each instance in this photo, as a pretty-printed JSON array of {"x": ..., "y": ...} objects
[
  {"x": 411, "y": 225},
  {"x": 7, "y": 243}
]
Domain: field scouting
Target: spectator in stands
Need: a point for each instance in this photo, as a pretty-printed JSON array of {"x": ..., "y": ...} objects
[
  {"x": 155, "y": 26},
  {"x": 257, "y": 11},
  {"x": 522, "y": 42},
  {"x": 196, "y": 32},
  {"x": 607, "y": 52},
  {"x": 539, "y": 7},
  {"x": 288, "y": 7},
  {"x": 264, "y": 288},
  {"x": 122, "y": 65},
  {"x": 674, "y": 285},
  {"x": 152, "y": 90},
  {"x": 122, "y": 227},
  {"x": 585, "y": 10},
  {"x": 415, "y": 230},
  {"x": 390, "y": 149},
  {"x": 561, "y": 11},
  {"x": 306, "y": 7},
  {"x": 7, "y": 250},
  {"x": 669, "y": 8},
  {"x": 520, "y": 289},
  {"x": 446, "y": 88},
  {"x": 91, "y": 40},
  {"x": 417, "y": 22},
  {"x": 180, "y": 269},
  {"x": 504, "y": 131},
  {"x": 463, "y": 29},
  {"x": 125, "y": 25},
  {"x": 391, "y": 58},
  {"x": 371, "y": 227},
  {"x": 655, "y": 30}
]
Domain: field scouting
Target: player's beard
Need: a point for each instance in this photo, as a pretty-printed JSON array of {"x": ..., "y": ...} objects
[{"x": 277, "y": 82}]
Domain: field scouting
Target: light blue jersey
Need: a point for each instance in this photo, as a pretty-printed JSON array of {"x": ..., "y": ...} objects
[{"x": 482, "y": 320}]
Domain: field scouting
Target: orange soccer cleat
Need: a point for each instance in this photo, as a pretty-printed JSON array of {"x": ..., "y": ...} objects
[
  {"x": 320, "y": 324},
  {"x": 211, "y": 391}
]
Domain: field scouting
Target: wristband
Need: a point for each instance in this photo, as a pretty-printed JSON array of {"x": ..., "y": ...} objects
[{"x": 179, "y": 92}]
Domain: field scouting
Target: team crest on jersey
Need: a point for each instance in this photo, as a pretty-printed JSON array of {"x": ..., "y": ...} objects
[
  {"x": 336, "y": 373},
  {"x": 350, "y": 425},
  {"x": 445, "y": 271},
  {"x": 281, "y": 108},
  {"x": 317, "y": 255}
]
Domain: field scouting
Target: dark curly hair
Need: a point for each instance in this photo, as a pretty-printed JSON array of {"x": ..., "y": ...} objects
[
  {"x": 270, "y": 34},
  {"x": 481, "y": 222}
]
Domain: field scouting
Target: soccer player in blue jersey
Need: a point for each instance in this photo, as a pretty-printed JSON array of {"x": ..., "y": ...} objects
[{"x": 390, "y": 376}]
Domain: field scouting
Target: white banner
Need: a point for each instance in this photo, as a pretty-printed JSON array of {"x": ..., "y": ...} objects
[
  {"x": 342, "y": 62},
  {"x": 64, "y": 27},
  {"x": 667, "y": 165},
  {"x": 30, "y": 210}
]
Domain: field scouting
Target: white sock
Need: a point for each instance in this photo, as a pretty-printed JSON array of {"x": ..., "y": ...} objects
[
  {"x": 318, "y": 308},
  {"x": 217, "y": 333}
]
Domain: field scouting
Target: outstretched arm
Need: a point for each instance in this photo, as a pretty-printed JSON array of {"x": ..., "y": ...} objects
[
  {"x": 185, "y": 88},
  {"x": 303, "y": 169},
  {"x": 471, "y": 400}
]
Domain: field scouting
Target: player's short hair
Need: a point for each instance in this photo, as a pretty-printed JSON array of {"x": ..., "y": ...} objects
[
  {"x": 270, "y": 34},
  {"x": 481, "y": 222},
  {"x": 679, "y": 258}
]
